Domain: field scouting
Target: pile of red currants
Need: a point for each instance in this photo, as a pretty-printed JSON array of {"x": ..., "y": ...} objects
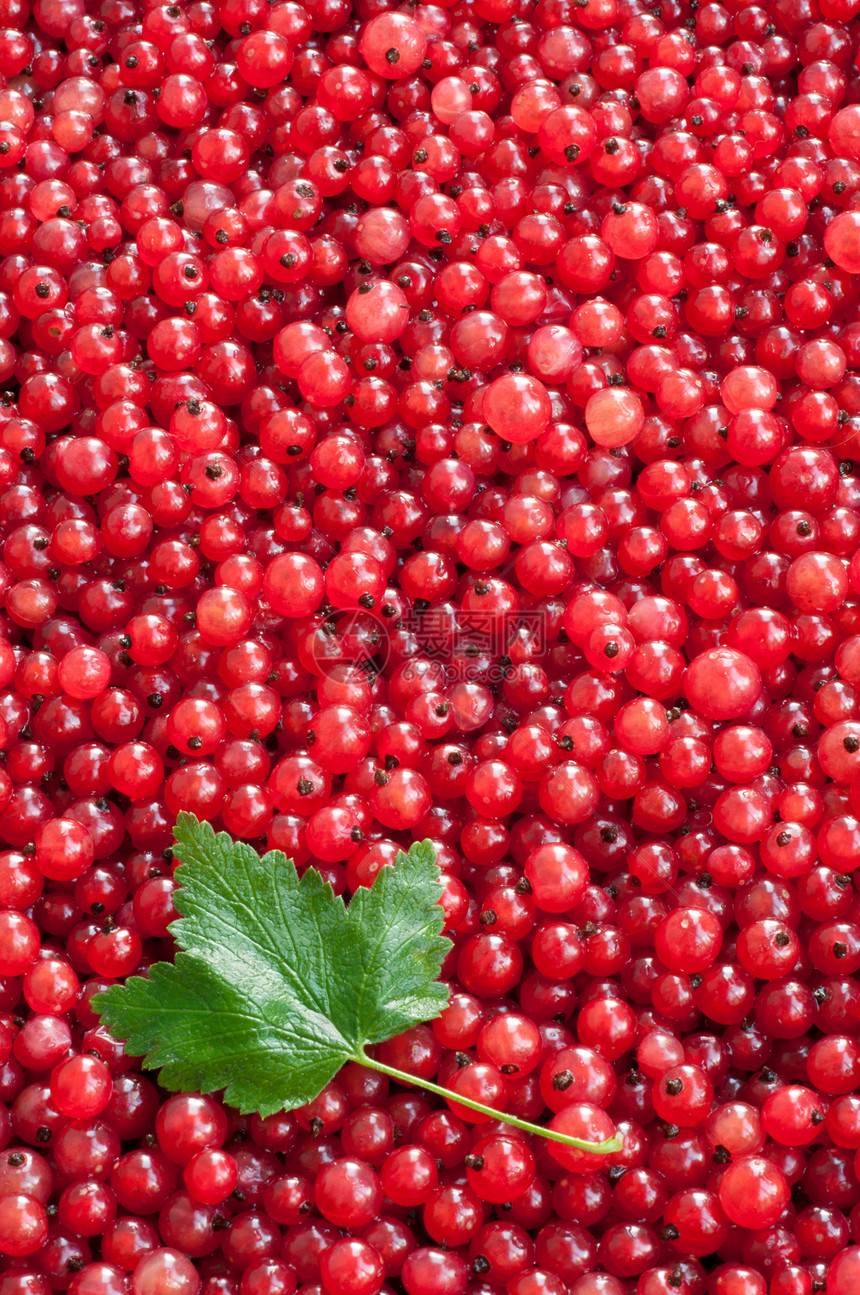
[{"x": 439, "y": 421}]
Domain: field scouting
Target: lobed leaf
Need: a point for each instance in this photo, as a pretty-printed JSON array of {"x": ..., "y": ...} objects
[{"x": 277, "y": 983}]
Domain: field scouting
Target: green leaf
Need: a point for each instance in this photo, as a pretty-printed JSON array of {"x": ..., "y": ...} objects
[{"x": 277, "y": 983}]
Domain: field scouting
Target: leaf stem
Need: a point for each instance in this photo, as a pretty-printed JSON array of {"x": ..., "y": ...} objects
[{"x": 606, "y": 1148}]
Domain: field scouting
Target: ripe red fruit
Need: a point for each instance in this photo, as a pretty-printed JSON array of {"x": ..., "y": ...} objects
[{"x": 438, "y": 425}]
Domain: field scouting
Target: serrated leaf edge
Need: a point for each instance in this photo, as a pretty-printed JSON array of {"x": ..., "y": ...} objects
[{"x": 200, "y": 838}]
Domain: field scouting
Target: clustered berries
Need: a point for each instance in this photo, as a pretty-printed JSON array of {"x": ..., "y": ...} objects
[{"x": 439, "y": 422}]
